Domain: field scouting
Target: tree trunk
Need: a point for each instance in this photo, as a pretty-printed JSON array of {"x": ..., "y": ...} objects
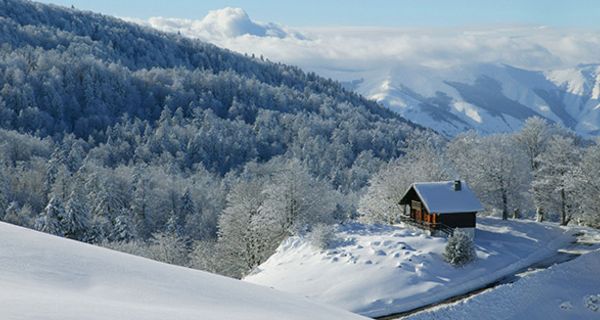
[
  {"x": 563, "y": 208},
  {"x": 539, "y": 211},
  {"x": 516, "y": 214},
  {"x": 504, "y": 206}
]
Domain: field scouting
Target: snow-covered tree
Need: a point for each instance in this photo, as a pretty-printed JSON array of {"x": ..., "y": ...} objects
[
  {"x": 532, "y": 139},
  {"x": 76, "y": 219},
  {"x": 168, "y": 248},
  {"x": 140, "y": 202},
  {"x": 4, "y": 203},
  {"x": 50, "y": 220},
  {"x": 494, "y": 167},
  {"x": 555, "y": 180},
  {"x": 295, "y": 199},
  {"x": 123, "y": 230},
  {"x": 588, "y": 175},
  {"x": 12, "y": 214},
  {"x": 246, "y": 237},
  {"x": 204, "y": 256},
  {"x": 187, "y": 207},
  {"x": 460, "y": 249}
]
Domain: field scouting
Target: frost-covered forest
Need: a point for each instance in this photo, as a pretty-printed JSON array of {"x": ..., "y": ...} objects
[{"x": 177, "y": 150}]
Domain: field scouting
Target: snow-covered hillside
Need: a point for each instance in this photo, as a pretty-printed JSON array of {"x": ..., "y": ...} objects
[
  {"x": 489, "y": 98},
  {"x": 566, "y": 291},
  {"x": 381, "y": 270},
  {"x": 46, "y": 277}
]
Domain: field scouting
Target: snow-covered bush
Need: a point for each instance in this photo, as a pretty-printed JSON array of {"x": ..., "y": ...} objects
[
  {"x": 204, "y": 256},
  {"x": 168, "y": 248},
  {"x": 460, "y": 249},
  {"x": 322, "y": 236}
]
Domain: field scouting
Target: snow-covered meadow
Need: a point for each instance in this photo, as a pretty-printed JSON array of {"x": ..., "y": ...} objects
[
  {"x": 381, "y": 270},
  {"x": 47, "y": 277},
  {"x": 565, "y": 291}
]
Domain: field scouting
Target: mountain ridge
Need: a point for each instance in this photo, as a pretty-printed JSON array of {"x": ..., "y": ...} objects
[{"x": 499, "y": 98}]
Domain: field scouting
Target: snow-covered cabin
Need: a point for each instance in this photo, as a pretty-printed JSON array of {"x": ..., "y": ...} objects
[{"x": 440, "y": 207}]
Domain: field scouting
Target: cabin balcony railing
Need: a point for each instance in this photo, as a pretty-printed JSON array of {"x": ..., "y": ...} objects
[{"x": 427, "y": 225}]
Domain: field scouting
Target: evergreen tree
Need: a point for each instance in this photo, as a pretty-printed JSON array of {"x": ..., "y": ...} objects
[
  {"x": 4, "y": 203},
  {"x": 123, "y": 230},
  {"x": 76, "y": 219},
  {"x": 187, "y": 207},
  {"x": 140, "y": 202},
  {"x": 50, "y": 220},
  {"x": 12, "y": 214},
  {"x": 460, "y": 249}
]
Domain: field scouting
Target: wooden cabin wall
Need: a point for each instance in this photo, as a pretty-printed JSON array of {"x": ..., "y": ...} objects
[{"x": 458, "y": 220}]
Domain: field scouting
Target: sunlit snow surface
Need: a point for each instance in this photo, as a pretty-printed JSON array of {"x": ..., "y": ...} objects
[
  {"x": 46, "y": 277},
  {"x": 566, "y": 291},
  {"x": 380, "y": 270}
]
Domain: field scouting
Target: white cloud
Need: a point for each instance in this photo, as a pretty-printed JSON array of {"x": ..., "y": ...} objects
[
  {"x": 225, "y": 23},
  {"x": 363, "y": 48}
]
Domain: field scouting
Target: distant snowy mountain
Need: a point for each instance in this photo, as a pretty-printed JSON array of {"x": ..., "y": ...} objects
[{"x": 488, "y": 98}]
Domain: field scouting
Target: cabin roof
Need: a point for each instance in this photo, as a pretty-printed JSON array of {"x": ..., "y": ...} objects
[{"x": 440, "y": 197}]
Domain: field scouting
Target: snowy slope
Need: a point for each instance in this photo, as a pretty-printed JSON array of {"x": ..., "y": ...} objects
[
  {"x": 380, "y": 270},
  {"x": 46, "y": 277},
  {"x": 566, "y": 291},
  {"x": 489, "y": 98}
]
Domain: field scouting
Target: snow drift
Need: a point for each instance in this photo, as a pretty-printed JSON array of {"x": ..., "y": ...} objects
[{"x": 46, "y": 277}]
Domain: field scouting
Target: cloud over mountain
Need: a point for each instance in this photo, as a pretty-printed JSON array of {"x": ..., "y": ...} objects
[
  {"x": 224, "y": 23},
  {"x": 365, "y": 47}
]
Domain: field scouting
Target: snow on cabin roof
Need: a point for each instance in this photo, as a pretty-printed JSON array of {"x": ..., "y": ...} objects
[{"x": 440, "y": 197}]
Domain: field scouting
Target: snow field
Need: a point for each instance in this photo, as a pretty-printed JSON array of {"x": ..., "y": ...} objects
[
  {"x": 381, "y": 270},
  {"x": 47, "y": 277},
  {"x": 566, "y": 291}
]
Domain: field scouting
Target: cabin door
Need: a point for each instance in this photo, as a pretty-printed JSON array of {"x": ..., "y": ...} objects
[{"x": 416, "y": 211}]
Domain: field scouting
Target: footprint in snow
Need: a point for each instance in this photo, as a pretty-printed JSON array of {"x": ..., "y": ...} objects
[
  {"x": 376, "y": 243},
  {"x": 566, "y": 305},
  {"x": 380, "y": 253}
]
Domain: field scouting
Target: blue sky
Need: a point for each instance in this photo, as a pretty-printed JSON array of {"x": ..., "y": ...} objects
[{"x": 389, "y": 13}]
